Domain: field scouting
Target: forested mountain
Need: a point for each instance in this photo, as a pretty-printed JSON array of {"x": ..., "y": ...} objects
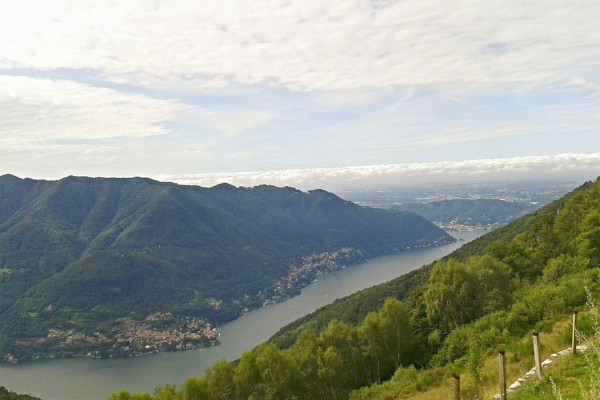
[
  {"x": 102, "y": 266},
  {"x": 488, "y": 295},
  {"x": 468, "y": 212}
]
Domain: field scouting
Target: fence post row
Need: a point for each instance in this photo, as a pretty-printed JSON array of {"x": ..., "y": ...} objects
[{"x": 536, "y": 356}]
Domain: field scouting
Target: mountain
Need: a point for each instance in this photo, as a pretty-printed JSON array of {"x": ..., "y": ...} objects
[
  {"x": 105, "y": 266},
  {"x": 488, "y": 296},
  {"x": 468, "y": 212}
]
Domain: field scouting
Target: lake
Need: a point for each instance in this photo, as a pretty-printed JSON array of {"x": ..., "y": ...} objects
[{"x": 81, "y": 378}]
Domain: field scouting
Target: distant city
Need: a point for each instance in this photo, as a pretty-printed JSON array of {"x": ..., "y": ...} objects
[{"x": 534, "y": 192}]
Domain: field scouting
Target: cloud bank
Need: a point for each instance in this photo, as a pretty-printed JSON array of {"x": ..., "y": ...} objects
[{"x": 397, "y": 175}]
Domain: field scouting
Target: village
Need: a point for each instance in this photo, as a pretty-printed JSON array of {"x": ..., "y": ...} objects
[{"x": 155, "y": 333}]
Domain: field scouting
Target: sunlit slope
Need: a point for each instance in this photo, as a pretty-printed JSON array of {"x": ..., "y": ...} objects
[{"x": 354, "y": 308}]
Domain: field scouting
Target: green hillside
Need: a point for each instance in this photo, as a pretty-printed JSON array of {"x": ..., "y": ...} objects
[
  {"x": 468, "y": 212},
  {"x": 354, "y": 308},
  {"x": 102, "y": 266},
  {"x": 527, "y": 277}
]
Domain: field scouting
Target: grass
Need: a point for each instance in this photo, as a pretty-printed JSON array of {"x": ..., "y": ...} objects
[
  {"x": 554, "y": 336},
  {"x": 571, "y": 377},
  {"x": 566, "y": 374}
]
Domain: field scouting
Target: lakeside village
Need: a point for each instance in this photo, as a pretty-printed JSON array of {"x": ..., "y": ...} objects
[
  {"x": 457, "y": 227},
  {"x": 135, "y": 338},
  {"x": 161, "y": 331}
]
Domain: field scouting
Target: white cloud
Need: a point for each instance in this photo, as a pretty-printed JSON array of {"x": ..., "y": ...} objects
[
  {"x": 37, "y": 111},
  {"x": 406, "y": 173},
  {"x": 42, "y": 110},
  {"x": 308, "y": 45}
]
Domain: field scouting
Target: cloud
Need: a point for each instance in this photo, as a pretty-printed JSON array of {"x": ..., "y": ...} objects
[
  {"x": 304, "y": 46},
  {"x": 396, "y": 175},
  {"x": 36, "y": 113},
  {"x": 42, "y": 110}
]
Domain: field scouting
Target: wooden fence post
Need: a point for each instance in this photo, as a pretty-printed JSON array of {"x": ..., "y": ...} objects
[
  {"x": 536, "y": 355},
  {"x": 574, "y": 337},
  {"x": 456, "y": 387},
  {"x": 502, "y": 374}
]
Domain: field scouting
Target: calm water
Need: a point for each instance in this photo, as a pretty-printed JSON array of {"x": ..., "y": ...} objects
[{"x": 77, "y": 379}]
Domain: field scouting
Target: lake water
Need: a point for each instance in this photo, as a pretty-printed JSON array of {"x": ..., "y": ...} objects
[{"x": 77, "y": 379}]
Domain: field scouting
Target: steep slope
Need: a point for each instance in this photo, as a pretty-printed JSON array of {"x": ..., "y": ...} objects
[
  {"x": 82, "y": 259},
  {"x": 354, "y": 308}
]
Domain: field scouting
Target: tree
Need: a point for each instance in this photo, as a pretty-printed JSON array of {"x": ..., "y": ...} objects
[
  {"x": 589, "y": 239},
  {"x": 307, "y": 353},
  {"x": 278, "y": 373},
  {"x": 493, "y": 282},
  {"x": 451, "y": 296},
  {"x": 167, "y": 392},
  {"x": 196, "y": 389},
  {"x": 220, "y": 380},
  {"x": 247, "y": 376}
]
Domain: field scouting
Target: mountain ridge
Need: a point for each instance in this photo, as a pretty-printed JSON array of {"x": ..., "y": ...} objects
[{"x": 78, "y": 250}]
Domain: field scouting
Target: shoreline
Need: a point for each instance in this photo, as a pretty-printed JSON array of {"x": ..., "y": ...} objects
[{"x": 301, "y": 275}]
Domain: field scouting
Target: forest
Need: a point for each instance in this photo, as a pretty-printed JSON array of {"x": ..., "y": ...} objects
[{"x": 535, "y": 273}]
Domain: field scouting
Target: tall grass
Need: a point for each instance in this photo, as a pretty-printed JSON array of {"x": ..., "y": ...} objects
[{"x": 591, "y": 356}]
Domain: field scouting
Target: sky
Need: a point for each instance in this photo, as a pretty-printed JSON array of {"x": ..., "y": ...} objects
[{"x": 301, "y": 93}]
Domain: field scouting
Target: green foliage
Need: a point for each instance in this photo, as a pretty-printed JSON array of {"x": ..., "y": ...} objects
[
  {"x": 458, "y": 293},
  {"x": 499, "y": 243},
  {"x": 589, "y": 239},
  {"x": 124, "y": 394},
  {"x": 451, "y": 295},
  {"x": 563, "y": 265},
  {"x": 406, "y": 382},
  {"x": 167, "y": 392},
  {"x": 328, "y": 366},
  {"x": 354, "y": 308}
]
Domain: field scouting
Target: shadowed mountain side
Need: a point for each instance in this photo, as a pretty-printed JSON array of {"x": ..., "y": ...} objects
[{"x": 80, "y": 253}]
